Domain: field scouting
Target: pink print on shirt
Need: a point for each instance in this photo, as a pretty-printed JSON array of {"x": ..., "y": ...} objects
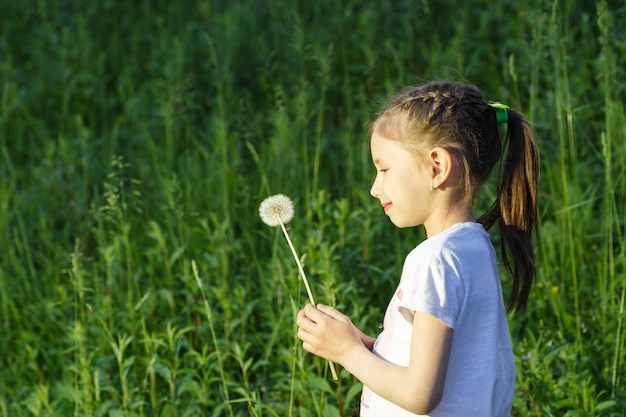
[{"x": 399, "y": 293}]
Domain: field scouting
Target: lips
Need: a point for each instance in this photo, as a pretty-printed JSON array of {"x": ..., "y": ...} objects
[{"x": 387, "y": 207}]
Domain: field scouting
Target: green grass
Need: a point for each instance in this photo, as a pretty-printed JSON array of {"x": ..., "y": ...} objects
[{"x": 137, "y": 141}]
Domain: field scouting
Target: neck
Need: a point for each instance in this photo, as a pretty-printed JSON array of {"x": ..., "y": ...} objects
[{"x": 446, "y": 218}]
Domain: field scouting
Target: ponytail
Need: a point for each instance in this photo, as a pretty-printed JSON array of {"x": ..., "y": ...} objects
[{"x": 515, "y": 208}]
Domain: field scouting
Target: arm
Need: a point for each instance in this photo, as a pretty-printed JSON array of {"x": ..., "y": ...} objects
[
  {"x": 330, "y": 334},
  {"x": 368, "y": 341}
]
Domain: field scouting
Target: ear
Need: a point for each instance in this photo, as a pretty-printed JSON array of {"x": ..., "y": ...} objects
[{"x": 441, "y": 163}]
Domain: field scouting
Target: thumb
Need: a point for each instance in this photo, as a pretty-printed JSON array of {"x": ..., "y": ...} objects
[{"x": 332, "y": 312}]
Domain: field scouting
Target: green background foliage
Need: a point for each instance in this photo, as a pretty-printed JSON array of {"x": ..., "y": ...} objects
[{"x": 137, "y": 140}]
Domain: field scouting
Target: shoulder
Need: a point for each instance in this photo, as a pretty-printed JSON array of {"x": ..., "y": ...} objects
[
  {"x": 453, "y": 255},
  {"x": 460, "y": 240}
]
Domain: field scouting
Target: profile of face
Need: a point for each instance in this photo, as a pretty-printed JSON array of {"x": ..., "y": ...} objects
[{"x": 402, "y": 183}]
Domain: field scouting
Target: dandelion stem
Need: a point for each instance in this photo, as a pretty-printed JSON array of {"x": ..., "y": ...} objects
[
  {"x": 333, "y": 371},
  {"x": 300, "y": 269}
]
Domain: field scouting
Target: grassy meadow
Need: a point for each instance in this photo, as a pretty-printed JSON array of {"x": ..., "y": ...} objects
[{"x": 137, "y": 140}]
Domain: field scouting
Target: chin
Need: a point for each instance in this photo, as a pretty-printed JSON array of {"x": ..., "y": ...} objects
[{"x": 402, "y": 224}]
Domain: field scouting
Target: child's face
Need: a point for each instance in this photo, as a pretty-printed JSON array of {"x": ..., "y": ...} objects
[{"x": 402, "y": 184}]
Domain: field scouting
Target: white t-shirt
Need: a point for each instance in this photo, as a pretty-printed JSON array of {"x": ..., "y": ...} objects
[{"x": 453, "y": 276}]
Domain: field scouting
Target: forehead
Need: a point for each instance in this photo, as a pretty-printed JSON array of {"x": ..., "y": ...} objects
[{"x": 386, "y": 150}]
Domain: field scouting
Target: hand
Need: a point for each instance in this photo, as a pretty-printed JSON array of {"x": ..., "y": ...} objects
[{"x": 328, "y": 333}]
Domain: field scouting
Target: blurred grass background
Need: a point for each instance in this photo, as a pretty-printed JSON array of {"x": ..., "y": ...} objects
[{"x": 138, "y": 138}]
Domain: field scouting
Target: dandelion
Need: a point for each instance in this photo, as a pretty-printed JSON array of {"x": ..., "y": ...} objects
[{"x": 277, "y": 210}]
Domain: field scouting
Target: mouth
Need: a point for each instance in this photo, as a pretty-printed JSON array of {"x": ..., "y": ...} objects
[{"x": 387, "y": 207}]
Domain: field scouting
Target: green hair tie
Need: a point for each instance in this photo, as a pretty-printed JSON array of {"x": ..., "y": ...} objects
[{"x": 502, "y": 116}]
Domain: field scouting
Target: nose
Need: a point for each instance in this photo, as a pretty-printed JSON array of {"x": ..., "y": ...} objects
[{"x": 375, "y": 191}]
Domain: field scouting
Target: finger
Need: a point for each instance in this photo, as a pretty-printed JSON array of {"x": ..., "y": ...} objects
[
  {"x": 300, "y": 316},
  {"x": 306, "y": 346},
  {"x": 303, "y": 321},
  {"x": 332, "y": 312},
  {"x": 302, "y": 334},
  {"x": 308, "y": 340},
  {"x": 313, "y": 313}
]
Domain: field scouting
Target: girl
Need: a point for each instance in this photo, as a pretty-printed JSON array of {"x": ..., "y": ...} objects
[{"x": 445, "y": 348}]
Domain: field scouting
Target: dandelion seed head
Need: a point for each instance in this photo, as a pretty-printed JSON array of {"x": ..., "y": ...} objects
[{"x": 276, "y": 209}]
